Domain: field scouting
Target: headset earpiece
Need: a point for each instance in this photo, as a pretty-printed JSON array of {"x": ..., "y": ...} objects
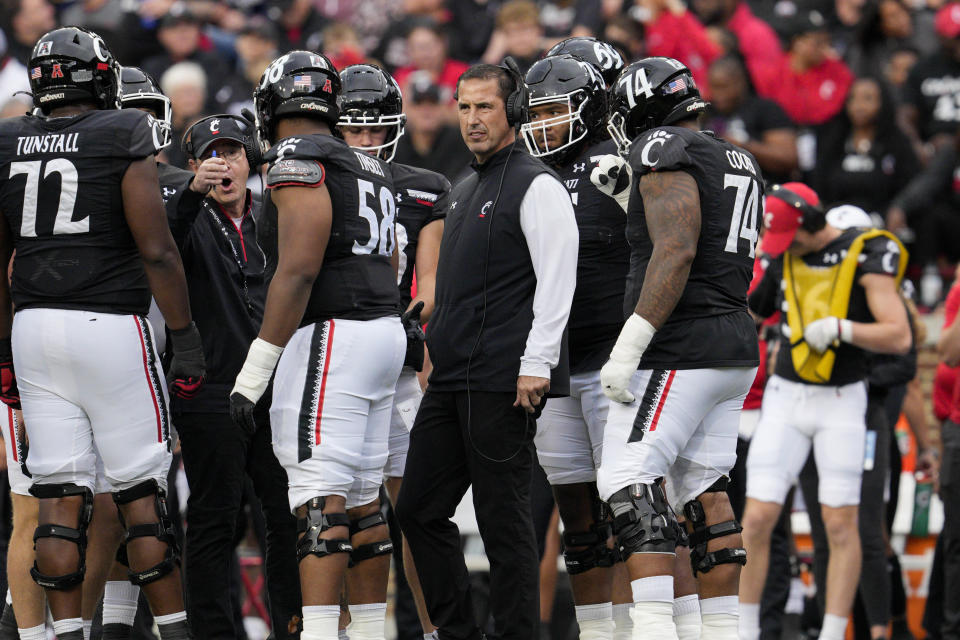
[{"x": 517, "y": 103}]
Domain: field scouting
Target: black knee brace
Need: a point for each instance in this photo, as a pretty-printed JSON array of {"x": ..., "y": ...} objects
[
  {"x": 701, "y": 559},
  {"x": 316, "y": 523},
  {"x": 371, "y": 549},
  {"x": 162, "y": 530},
  {"x": 77, "y": 536},
  {"x": 643, "y": 520},
  {"x": 597, "y": 553}
]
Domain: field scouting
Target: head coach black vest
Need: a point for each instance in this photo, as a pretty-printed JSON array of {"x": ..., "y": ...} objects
[{"x": 484, "y": 255}]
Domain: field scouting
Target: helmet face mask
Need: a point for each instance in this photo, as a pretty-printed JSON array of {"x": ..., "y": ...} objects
[
  {"x": 535, "y": 133},
  {"x": 139, "y": 91},
  {"x": 370, "y": 97},
  {"x": 576, "y": 85},
  {"x": 72, "y": 65}
]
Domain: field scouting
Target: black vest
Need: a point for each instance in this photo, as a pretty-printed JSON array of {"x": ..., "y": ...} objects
[{"x": 486, "y": 282}]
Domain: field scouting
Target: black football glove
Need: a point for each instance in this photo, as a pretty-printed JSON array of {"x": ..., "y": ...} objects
[
  {"x": 8, "y": 379},
  {"x": 415, "y": 337},
  {"x": 188, "y": 366},
  {"x": 241, "y": 410}
]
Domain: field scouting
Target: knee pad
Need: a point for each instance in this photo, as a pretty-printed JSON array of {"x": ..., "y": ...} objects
[
  {"x": 643, "y": 520},
  {"x": 701, "y": 559},
  {"x": 372, "y": 549},
  {"x": 597, "y": 553},
  {"x": 316, "y": 523},
  {"x": 162, "y": 530},
  {"x": 77, "y": 536}
]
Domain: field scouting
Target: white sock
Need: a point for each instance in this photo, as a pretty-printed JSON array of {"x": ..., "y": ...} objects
[
  {"x": 623, "y": 621},
  {"x": 595, "y": 621},
  {"x": 170, "y": 618},
  {"x": 321, "y": 622},
  {"x": 38, "y": 632},
  {"x": 367, "y": 621},
  {"x": 67, "y": 625},
  {"x": 653, "y": 589},
  {"x": 749, "y": 624},
  {"x": 87, "y": 626},
  {"x": 686, "y": 615},
  {"x": 120, "y": 602},
  {"x": 653, "y": 620},
  {"x": 720, "y": 618},
  {"x": 834, "y": 627}
]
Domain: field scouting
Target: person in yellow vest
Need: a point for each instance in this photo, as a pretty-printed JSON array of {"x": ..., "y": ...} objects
[{"x": 838, "y": 293}]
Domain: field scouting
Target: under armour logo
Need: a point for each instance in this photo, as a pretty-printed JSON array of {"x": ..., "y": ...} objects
[
  {"x": 453, "y": 206},
  {"x": 215, "y": 125},
  {"x": 166, "y": 192},
  {"x": 579, "y": 166}
]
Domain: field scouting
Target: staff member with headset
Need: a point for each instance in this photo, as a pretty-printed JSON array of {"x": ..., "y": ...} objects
[
  {"x": 225, "y": 271},
  {"x": 505, "y": 282}
]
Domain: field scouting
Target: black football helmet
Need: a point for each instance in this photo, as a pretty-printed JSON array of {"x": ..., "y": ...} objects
[
  {"x": 650, "y": 93},
  {"x": 138, "y": 90},
  {"x": 370, "y": 97},
  {"x": 299, "y": 83},
  {"x": 574, "y": 83},
  {"x": 70, "y": 65},
  {"x": 604, "y": 57}
]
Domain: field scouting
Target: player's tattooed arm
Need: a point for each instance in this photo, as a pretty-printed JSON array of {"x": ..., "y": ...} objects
[{"x": 671, "y": 203}]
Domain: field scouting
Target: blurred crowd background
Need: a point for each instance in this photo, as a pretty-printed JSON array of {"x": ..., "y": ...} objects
[{"x": 859, "y": 98}]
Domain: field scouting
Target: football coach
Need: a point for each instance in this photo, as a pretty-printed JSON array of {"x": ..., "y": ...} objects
[{"x": 505, "y": 282}]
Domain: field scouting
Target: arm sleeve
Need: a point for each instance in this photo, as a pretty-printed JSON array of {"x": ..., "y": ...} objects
[{"x": 550, "y": 229}]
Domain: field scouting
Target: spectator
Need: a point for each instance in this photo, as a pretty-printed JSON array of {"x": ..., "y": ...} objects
[
  {"x": 103, "y": 16},
  {"x": 674, "y": 32},
  {"x": 471, "y": 25},
  {"x": 300, "y": 23},
  {"x": 807, "y": 81},
  {"x": 759, "y": 44},
  {"x": 863, "y": 158},
  {"x": 390, "y": 45},
  {"x": 24, "y": 21},
  {"x": 429, "y": 142},
  {"x": 427, "y": 48},
  {"x": 897, "y": 69},
  {"x": 13, "y": 79},
  {"x": 341, "y": 45},
  {"x": 518, "y": 34},
  {"x": 180, "y": 36},
  {"x": 886, "y": 27},
  {"x": 185, "y": 83},
  {"x": 566, "y": 18},
  {"x": 931, "y": 109},
  {"x": 758, "y": 125},
  {"x": 256, "y": 47},
  {"x": 625, "y": 36}
]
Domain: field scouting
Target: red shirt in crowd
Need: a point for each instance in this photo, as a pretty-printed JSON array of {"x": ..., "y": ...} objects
[
  {"x": 759, "y": 44},
  {"x": 810, "y": 97},
  {"x": 446, "y": 80},
  {"x": 946, "y": 381},
  {"x": 683, "y": 37}
]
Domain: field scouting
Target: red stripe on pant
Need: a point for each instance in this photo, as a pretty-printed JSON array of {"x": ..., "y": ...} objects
[
  {"x": 323, "y": 380},
  {"x": 146, "y": 371},
  {"x": 663, "y": 399}
]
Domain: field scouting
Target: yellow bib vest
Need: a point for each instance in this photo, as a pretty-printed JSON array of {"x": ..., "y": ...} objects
[{"x": 813, "y": 293}]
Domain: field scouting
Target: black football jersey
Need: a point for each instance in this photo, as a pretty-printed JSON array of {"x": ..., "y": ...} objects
[
  {"x": 597, "y": 312},
  {"x": 60, "y": 194},
  {"x": 879, "y": 255},
  {"x": 356, "y": 280},
  {"x": 710, "y": 326},
  {"x": 420, "y": 198}
]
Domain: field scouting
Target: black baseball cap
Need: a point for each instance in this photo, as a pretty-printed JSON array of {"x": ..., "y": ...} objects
[{"x": 211, "y": 129}]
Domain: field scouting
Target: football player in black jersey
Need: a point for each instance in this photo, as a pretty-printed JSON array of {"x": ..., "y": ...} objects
[
  {"x": 839, "y": 293},
  {"x": 692, "y": 225},
  {"x": 566, "y": 129},
  {"x": 81, "y": 200},
  {"x": 372, "y": 119},
  {"x": 334, "y": 304}
]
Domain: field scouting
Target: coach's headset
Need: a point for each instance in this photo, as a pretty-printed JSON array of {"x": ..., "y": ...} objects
[
  {"x": 517, "y": 108},
  {"x": 250, "y": 142},
  {"x": 814, "y": 217}
]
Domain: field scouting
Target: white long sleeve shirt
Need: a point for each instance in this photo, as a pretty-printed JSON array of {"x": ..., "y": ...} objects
[{"x": 550, "y": 229}]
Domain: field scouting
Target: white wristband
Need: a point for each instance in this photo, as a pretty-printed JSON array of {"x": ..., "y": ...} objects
[
  {"x": 255, "y": 375},
  {"x": 846, "y": 330},
  {"x": 635, "y": 336}
]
